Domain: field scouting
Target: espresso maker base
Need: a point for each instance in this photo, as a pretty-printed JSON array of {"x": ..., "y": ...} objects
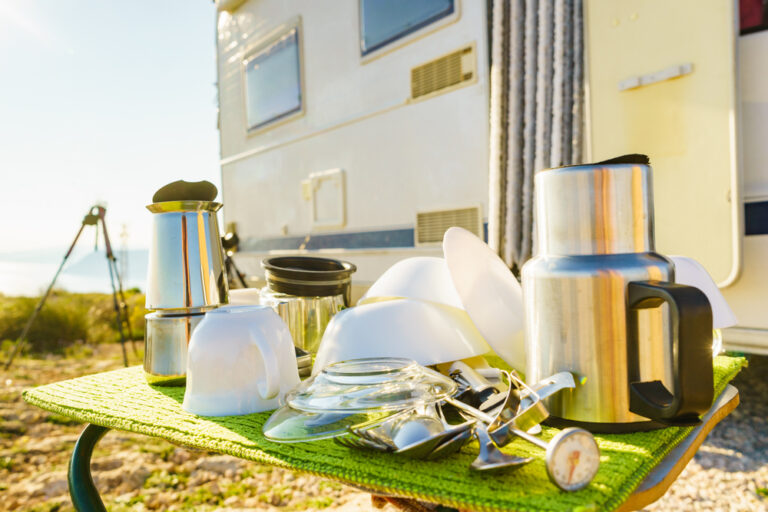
[
  {"x": 165, "y": 380},
  {"x": 605, "y": 428}
]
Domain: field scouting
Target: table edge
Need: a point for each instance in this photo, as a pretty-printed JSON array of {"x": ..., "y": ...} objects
[{"x": 683, "y": 452}]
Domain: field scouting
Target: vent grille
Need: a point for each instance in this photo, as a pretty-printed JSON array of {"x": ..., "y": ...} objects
[
  {"x": 443, "y": 74},
  {"x": 431, "y": 226}
]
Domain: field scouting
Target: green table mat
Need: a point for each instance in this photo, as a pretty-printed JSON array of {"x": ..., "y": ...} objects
[{"x": 123, "y": 400}]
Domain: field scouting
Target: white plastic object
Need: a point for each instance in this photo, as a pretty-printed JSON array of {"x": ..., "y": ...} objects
[
  {"x": 241, "y": 360},
  {"x": 692, "y": 273},
  {"x": 490, "y": 293},
  {"x": 426, "y": 332},
  {"x": 244, "y": 296},
  {"x": 423, "y": 277}
]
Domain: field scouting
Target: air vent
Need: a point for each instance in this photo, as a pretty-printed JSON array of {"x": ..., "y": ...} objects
[
  {"x": 431, "y": 226},
  {"x": 443, "y": 74}
]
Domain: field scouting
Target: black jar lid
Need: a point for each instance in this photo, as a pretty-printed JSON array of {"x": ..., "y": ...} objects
[{"x": 308, "y": 276}]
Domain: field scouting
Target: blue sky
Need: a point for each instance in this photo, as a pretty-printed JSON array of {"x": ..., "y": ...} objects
[{"x": 101, "y": 101}]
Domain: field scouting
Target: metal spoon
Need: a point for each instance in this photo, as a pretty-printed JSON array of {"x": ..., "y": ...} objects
[
  {"x": 491, "y": 458},
  {"x": 452, "y": 445},
  {"x": 503, "y": 434},
  {"x": 413, "y": 434}
]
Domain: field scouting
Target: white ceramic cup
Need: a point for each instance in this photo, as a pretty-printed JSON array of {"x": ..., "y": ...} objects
[{"x": 241, "y": 360}]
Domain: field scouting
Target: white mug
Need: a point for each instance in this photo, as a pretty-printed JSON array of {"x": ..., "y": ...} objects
[{"x": 241, "y": 360}]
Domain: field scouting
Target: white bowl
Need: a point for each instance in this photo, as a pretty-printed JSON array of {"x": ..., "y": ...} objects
[
  {"x": 423, "y": 278},
  {"x": 426, "y": 332},
  {"x": 490, "y": 293}
]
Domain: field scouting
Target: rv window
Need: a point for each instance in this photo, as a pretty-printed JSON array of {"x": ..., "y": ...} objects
[
  {"x": 385, "y": 21},
  {"x": 273, "y": 81}
]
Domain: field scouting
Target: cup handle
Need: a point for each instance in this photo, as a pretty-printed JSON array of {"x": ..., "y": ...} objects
[
  {"x": 691, "y": 329},
  {"x": 271, "y": 366}
]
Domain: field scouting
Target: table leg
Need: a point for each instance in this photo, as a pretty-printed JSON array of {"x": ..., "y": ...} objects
[{"x": 85, "y": 497}]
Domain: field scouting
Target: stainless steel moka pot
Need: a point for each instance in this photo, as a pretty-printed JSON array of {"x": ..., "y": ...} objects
[
  {"x": 600, "y": 303},
  {"x": 186, "y": 277},
  {"x": 186, "y": 262}
]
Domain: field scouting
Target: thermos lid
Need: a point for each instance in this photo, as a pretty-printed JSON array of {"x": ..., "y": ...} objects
[
  {"x": 185, "y": 196},
  {"x": 186, "y": 191},
  {"x": 305, "y": 276},
  {"x": 600, "y": 208}
]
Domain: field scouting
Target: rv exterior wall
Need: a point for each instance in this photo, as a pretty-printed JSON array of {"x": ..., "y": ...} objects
[
  {"x": 748, "y": 296},
  {"x": 753, "y": 95},
  {"x": 399, "y": 157}
]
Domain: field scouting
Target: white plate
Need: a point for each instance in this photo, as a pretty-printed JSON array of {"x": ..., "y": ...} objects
[
  {"x": 691, "y": 272},
  {"x": 490, "y": 293}
]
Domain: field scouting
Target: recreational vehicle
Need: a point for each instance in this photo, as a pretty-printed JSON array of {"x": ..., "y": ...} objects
[{"x": 362, "y": 129}]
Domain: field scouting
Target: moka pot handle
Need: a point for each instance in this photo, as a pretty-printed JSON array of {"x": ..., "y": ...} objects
[{"x": 690, "y": 317}]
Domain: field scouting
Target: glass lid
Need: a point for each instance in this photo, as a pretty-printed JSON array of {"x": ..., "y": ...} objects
[{"x": 370, "y": 384}]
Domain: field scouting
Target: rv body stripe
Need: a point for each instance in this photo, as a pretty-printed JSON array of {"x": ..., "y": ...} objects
[
  {"x": 380, "y": 239},
  {"x": 391, "y": 238},
  {"x": 755, "y": 217}
]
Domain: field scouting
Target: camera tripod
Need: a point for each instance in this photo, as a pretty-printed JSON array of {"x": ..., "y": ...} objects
[
  {"x": 92, "y": 218},
  {"x": 231, "y": 242}
]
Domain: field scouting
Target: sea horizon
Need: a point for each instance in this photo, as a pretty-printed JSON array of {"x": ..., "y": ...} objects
[{"x": 28, "y": 273}]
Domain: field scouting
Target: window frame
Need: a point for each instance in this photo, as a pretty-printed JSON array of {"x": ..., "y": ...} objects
[
  {"x": 251, "y": 51},
  {"x": 406, "y": 37}
]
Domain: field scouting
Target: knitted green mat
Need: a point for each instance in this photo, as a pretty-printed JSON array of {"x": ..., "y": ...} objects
[{"x": 122, "y": 399}]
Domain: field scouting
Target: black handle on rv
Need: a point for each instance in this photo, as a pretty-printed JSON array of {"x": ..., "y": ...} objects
[{"x": 691, "y": 336}]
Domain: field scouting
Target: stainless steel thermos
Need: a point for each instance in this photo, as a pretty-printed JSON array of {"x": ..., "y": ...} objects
[{"x": 602, "y": 304}]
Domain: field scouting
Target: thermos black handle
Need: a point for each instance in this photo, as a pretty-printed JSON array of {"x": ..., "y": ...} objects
[{"x": 691, "y": 330}]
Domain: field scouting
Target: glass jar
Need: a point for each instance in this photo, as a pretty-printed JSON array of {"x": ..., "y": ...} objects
[{"x": 306, "y": 292}]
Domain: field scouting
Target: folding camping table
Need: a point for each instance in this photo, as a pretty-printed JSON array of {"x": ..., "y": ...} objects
[{"x": 636, "y": 469}]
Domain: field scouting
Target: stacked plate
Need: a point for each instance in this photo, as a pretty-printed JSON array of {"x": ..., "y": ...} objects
[{"x": 348, "y": 393}]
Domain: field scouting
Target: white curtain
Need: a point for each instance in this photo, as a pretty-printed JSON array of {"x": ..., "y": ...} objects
[{"x": 536, "y": 111}]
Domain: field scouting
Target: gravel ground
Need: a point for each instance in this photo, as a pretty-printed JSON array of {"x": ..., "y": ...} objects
[
  {"x": 139, "y": 473},
  {"x": 730, "y": 470}
]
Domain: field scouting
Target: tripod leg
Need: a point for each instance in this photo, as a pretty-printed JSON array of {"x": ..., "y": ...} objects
[
  {"x": 229, "y": 263},
  {"x": 22, "y": 338},
  {"x": 118, "y": 315},
  {"x": 126, "y": 313},
  {"x": 112, "y": 264}
]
